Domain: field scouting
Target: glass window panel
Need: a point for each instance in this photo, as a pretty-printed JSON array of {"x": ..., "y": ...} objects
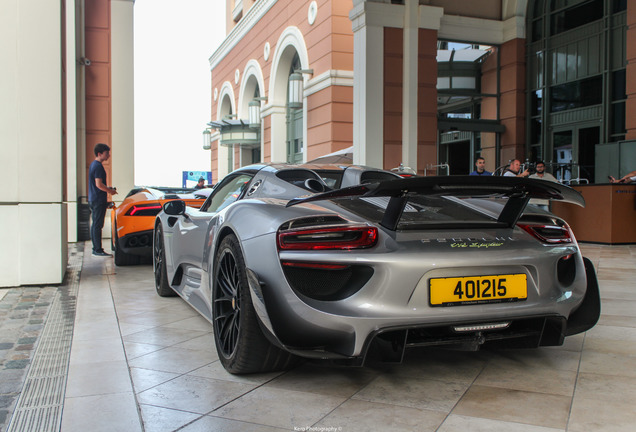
[
  {"x": 537, "y": 30},
  {"x": 536, "y": 99},
  {"x": 560, "y": 64},
  {"x": 572, "y": 62},
  {"x": 619, "y": 6},
  {"x": 588, "y": 139},
  {"x": 535, "y": 131},
  {"x": 229, "y": 191},
  {"x": 443, "y": 82},
  {"x": 618, "y": 118},
  {"x": 576, "y": 16},
  {"x": 467, "y": 83},
  {"x": 595, "y": 54},
  {"x": 576, "y": 94},
  {"x": 619, "y": 91},
  {"x": 583, "y": 58},
  {"x": 562, "y": 155},
  {"x": 536, "y": 154}
]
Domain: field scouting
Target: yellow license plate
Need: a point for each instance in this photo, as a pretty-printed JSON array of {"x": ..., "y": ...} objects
[{"x": 478, "y": 289}]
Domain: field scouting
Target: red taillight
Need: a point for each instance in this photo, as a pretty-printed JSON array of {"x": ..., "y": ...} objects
[
  {"x": 144, "y": 210},
  {"x": 347, "y": 237},
  {"x": 550, "y": 234}
]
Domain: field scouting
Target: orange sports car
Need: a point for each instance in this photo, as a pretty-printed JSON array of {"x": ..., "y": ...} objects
[{"x": 133, "y": 220}]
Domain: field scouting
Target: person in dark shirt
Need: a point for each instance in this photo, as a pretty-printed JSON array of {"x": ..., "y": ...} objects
[
  {"x": 200, "y": 184},
  {"x": 480, "y": 164},
  {"x": 98, "y": 192}
]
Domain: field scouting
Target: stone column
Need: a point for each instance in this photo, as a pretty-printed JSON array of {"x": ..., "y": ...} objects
[
  {"x": 368, "y": 80},
  {"x": 122, "y": 80}
]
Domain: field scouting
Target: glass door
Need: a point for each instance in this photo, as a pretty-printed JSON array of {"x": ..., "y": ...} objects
[
  {"x": 562, "y": 158},
  {"x": 573, "y": 153}
]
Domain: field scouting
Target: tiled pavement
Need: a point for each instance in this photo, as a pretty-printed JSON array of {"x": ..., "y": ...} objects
[
  {"x": 141, "y": 362},
  {"x": 22, "y": 313}
]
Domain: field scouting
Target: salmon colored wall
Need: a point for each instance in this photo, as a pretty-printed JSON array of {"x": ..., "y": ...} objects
[
  {"x": 329, "y": 44},
  {"x": 237, "y": 157},
  {"x": 426, "y": 99},
  {"x": 393, "y": 76},
  {"x": 512, "y": 104},
  {"x": 489, "y": 109},
  {"x": 329, "y": 121},
  {"x": 630, "y": 108},
  {"x": 97, "y": 78}
]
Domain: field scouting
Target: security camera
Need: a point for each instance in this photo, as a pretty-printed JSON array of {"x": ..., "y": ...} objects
[{"x": 85, "y": 62}]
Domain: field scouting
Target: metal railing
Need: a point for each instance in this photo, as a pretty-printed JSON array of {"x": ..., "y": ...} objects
[
  {"x": 441, "y": 166},
  {"x": 558, "y": 169}
]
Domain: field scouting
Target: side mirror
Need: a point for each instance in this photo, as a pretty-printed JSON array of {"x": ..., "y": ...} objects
[{"x": 174, "y": 208}]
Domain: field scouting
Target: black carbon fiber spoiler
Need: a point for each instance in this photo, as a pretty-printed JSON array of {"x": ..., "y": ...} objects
[{"x": 518, "y": 190}]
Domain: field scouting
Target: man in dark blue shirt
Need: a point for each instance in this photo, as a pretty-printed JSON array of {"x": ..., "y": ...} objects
[
  {"x": 480, "y": 164},
  {"x": 98, "y": 196}
]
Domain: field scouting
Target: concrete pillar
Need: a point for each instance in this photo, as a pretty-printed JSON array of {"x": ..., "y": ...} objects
[
  {"x": 368, "y": 79},
  {"x": 33, "y": 214},
  {"x": 122, "y": 79},
  {"x": 410, "y": 84}
]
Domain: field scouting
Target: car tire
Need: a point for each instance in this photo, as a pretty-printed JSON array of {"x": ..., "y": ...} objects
[
  {"x": 240, "y": 343},
  {"x": 159, "y": 264},
  {"x": 121, "y": 258}
]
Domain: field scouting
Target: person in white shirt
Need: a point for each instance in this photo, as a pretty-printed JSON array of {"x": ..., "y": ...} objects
[
  {"x": 514, "y": 169},
  {"x": 541, "y": 175}
]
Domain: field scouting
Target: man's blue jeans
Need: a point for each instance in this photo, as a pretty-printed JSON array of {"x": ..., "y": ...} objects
[{"x": 98, "y": 212}]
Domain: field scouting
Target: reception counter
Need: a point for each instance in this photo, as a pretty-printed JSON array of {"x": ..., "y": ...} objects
[{"x": 609, "y": 215}]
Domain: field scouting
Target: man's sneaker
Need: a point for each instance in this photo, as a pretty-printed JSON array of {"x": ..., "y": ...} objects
[{"x": 101, "y": 254}]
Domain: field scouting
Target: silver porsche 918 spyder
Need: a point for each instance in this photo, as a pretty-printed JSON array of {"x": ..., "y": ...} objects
[{"x": 284, "y": 266}]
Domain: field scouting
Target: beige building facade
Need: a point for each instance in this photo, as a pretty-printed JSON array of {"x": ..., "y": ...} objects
[{"x": 428, "y": 84}]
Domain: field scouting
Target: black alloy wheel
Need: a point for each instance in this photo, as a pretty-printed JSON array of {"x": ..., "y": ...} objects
[
  {"x": 240, "y": 343},
  {"x": 227, "y": 303},
  {"x": 159, "y": 265}
]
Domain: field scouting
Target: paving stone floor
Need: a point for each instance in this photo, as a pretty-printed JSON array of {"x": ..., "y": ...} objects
[
  {"x": 144, "y": 363},
  {"x": 22, "y": 315}
]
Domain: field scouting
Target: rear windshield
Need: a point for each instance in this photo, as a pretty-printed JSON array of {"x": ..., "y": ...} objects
[{"x": 423, "y": 212}]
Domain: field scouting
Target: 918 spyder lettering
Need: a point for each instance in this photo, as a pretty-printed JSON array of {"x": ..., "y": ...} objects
[{"x": 480, "y": 289}]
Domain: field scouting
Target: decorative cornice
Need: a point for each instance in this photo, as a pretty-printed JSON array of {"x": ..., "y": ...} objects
[
  {"x": 514, "y": 28},
  {"x": 376, "y": 15},
  {"x": 253, "y": 16},
  {"x": 482, "y": 30},
  {"x": 430, "y": 17},
  {"x": 457, "y": 27},
  {"x": 273, "y": 109},
  {"x": 327, "y": 79}
]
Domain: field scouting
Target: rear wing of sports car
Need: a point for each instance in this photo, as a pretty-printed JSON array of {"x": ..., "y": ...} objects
[{"x": 518, "y": 191}]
